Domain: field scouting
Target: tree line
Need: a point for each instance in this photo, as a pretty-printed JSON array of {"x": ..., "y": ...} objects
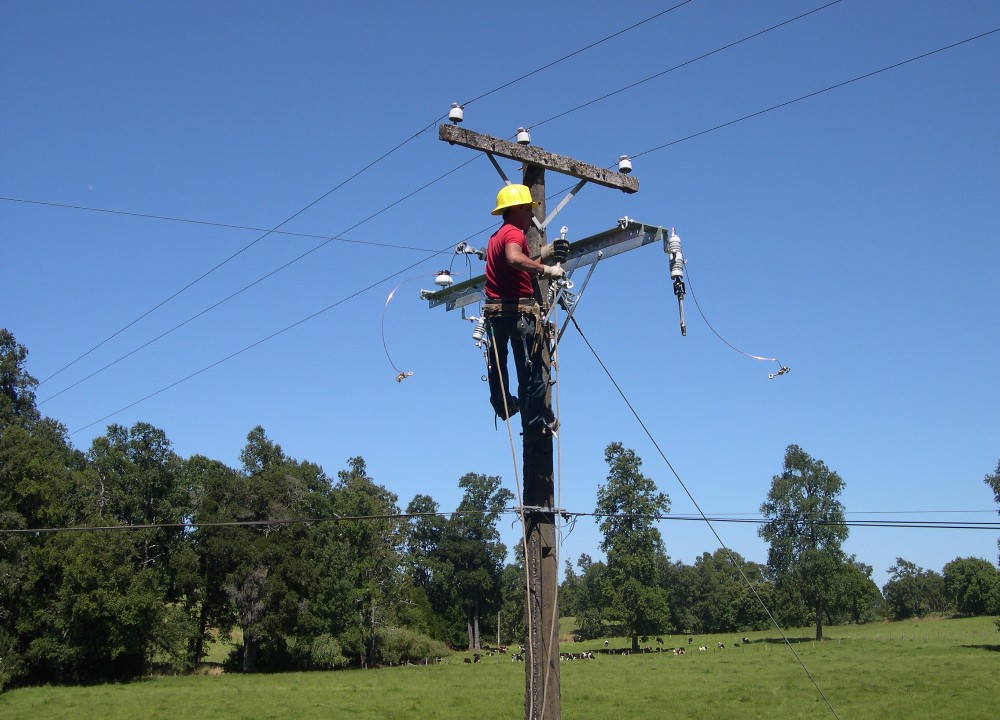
[{"x": 123, "y": 557}]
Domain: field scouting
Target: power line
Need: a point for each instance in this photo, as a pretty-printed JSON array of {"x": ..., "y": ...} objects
[
  {"x": 817, "y": 92},
  {"x": 683, "y": 64},
  {"x": 344, "y": 182},
  {"x": 251, "y": 346},
  {"x": 704, "y": 518},
  {"x": 193, "y": 524},
  {"x": 259, "y": 280},
  {"x": 211, "y": 223},
  {"x": 645, "y": 152}
]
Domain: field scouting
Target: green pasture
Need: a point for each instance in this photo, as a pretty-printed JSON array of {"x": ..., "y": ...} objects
[{"x": 948, "y": 668}]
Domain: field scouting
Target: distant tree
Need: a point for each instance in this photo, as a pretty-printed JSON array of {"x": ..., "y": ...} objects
[
  {"x": 724, "y": 601},
  {"x": 971, "y": 584},
  {"x": 994, "y": 482},
  {"x": 217, "y": 493},
  {"x": 425, "y": 529},
  {"x": 857, "y": 598},
  {"x": 472, "y": 551},
  {"x": 805, "y": 530},
  {"x": 593, "y": 597},
  {"x": 38, "y": 489},
  {"x": 513, "y": 594},
  {"x": 426, "y": 569},
  {"x": 269, "y": 573},
  {"x": 17, "y": 386},
  {"x": 628, "y": 505},
  {"x": 913, "y": 592},
  {"x": 568, "y": 589},
  {"x": 373, "y": 540},
  {"x": 681, "y": 583},
  {"x": 135, "y": 479}
]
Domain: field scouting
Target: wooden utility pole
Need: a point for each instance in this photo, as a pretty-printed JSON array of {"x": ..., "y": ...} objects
[{"x": 542, "y": 693}]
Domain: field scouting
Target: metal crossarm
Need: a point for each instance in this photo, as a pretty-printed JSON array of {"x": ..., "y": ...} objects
[{"x": 627, "y": 235}]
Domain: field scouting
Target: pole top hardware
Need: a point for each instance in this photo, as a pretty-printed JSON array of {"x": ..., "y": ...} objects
[
  {"x": 534, "y": 155},
  {"x": 628, "y": 234}
]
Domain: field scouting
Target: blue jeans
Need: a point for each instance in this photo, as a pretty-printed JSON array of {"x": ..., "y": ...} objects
[{"x": 518, "y": 331}]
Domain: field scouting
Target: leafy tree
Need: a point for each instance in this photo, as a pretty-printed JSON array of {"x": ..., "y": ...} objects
[
  {"x": 471, "y": 550},
  {"x": 627, "y": 508},
  {"x": 724, "y": 601},
  {"x": 805, "y": 530},
  {"x": 514, "y": 595},
  {"x": 372, "y": 545},
  {"x": 134, "y": 477},
  {"x": 681, "y": 583},
  {"x": 265, "y": 572},
  {"x": 857, "y": 598},
  {"x": 971, "y": 584},
  {"x": 994, "y": 482},
  {"x": 592, "y": 598},
  {"x": 568, "y": 589},
  {"x": 17, "y": 386},
  {"x": 427, "y": 570},
  {"x": 216, "y": 491},
  {"x": 912, "y": 591}
]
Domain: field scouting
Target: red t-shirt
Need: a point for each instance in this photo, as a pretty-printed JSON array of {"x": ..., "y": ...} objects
[{"x": 502, "y": 280}]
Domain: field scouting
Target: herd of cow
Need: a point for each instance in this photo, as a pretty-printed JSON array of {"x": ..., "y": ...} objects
[{"x": 608, "y": 650}]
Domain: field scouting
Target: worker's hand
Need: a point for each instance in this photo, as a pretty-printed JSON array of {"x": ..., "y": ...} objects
[
  {"x": 553, "y": 272},
  {"x": 560, "y": 250}
]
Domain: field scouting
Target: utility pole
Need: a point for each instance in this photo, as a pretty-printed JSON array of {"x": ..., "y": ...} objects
[{"x": 542, "y": 693}]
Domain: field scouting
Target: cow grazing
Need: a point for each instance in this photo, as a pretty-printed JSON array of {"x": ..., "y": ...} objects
[{"x": 659, "y": 641}]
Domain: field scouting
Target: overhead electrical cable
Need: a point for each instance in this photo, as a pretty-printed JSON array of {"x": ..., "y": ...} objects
[
  {"x": 706, "y": 520},
  {"x": 980, "y": 36},
  {"x": 681, "y": 65},
  {"x": 366, "y": 167},
  {"x": 260, "y": 279},
  {"x": 577, "y": 52},
  {"x": 251, "y": 346},
  {"x": 212, "y": 223},
  {"x": 712, "y": 129},
  {"x": 507, "y": 511}
]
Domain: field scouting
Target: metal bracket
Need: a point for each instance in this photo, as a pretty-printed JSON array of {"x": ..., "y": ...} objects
[
  {"x": 627, "y": 235},
  {"x": 561, "y": 205},
  {"x": 503, "y": 175},
  {"x": 570, "y": 310}
]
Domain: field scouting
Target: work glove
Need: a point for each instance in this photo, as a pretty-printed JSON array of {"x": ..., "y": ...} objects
[
  {"x": 560, "y": 250},
  {"x": 553, "y": 272}
]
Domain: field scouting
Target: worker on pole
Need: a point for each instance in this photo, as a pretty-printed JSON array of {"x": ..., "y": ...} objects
[{"x": 514, "y": 315}]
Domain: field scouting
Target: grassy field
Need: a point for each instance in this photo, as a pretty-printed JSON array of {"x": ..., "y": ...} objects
[{"x": 923, "y": 669}]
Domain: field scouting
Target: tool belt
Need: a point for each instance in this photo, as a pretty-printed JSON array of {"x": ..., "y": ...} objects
[{"x": 512, "y": 306}]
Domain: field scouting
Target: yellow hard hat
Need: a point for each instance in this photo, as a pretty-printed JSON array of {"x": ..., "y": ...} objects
[{"x": 511, "y": 195}]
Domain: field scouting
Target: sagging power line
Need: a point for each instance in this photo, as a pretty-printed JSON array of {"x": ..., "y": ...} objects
[
  {"x": 355, "y": 175},
  {"x": 632, "y": 155}
]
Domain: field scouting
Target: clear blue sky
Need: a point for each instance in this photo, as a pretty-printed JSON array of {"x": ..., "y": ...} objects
[{"x": 852, "y": 235}]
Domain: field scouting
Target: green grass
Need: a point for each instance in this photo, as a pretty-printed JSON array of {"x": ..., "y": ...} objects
[{"x": 926, "y": 669}]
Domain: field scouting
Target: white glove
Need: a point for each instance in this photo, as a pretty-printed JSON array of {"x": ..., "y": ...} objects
[{"x": 553, "y": 272}]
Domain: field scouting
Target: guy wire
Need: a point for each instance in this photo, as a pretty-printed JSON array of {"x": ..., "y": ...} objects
[{"x": 708, "y": 522}]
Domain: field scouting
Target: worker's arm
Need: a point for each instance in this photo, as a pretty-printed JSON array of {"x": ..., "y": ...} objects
[{"x": 519, "y": 261}]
